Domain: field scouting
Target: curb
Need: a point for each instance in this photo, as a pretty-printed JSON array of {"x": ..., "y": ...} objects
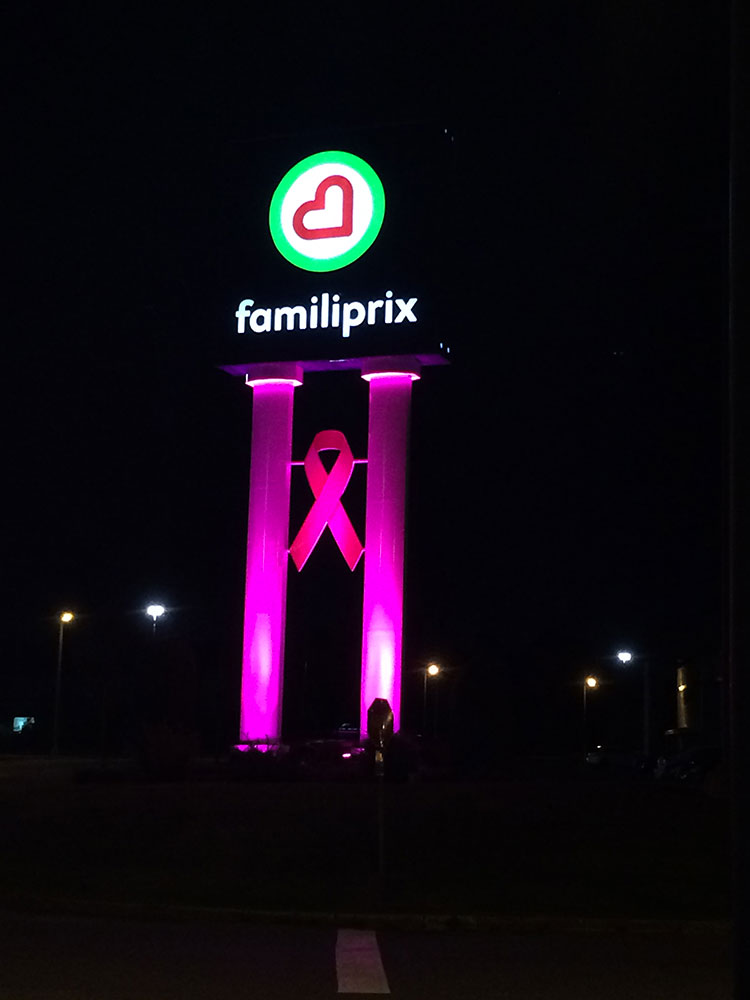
[{"x": 505, "y": 923}]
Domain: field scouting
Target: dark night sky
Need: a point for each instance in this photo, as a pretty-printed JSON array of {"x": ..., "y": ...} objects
[{"x": 565, "y": 492}]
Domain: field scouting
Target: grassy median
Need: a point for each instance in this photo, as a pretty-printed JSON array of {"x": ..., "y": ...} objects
[{"x": 538, "y": 845}]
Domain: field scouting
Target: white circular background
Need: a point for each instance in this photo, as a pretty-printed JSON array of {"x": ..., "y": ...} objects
[{"x": 304, "y": 188}]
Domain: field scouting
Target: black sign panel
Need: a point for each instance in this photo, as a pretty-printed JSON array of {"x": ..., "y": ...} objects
[{"x": 393, "y": 298}]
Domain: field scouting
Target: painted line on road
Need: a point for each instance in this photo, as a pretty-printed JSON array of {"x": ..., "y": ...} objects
[{"x": 359, "y": 968}]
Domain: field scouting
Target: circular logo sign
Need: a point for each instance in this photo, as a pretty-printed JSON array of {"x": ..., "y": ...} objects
[{"x": 327, "y": 211}]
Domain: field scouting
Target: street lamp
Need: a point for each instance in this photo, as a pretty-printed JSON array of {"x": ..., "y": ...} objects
[
  {"x": 432, "y": 670},
  {"x": 590, "y": 683},
  {"x": 155, "y": 611},
  {"x": 625, "y": 656},
  {"x": 63, "y": 619}
]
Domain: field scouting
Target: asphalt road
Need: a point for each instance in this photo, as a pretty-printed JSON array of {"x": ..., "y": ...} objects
[{"x": 84, "y": 958}]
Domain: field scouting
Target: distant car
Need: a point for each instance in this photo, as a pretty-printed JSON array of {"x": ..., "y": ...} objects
[
  {"x": 689, "y": 766},
  {"x": 616, "y": 759},
  {"x": 327, "y": 759}
]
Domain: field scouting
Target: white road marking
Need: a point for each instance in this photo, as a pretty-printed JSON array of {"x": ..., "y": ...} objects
[{"x": 359, "y": 968}]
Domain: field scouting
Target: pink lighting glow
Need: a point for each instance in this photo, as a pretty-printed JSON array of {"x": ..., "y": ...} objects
[
  {"x": 370, "y": 376},
  {"x": 253, "y": 382},
  {"x": 275, "y": 373},
  {"x": 382, "y": 616},
  {"x": 267, "y": 548}
]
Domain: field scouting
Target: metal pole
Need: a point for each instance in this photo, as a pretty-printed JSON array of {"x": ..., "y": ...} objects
[
  {"x": 58, "y": 679},
  {"x": 584, "y": 716},
  {"x": 435, "y": 698},
  {"x": 379, "y": 773},
  {"x": 103, "y": 733},
  {"x": 737, "y": 577},
  {"x": 381, "y": 831},
  {"x": 424, "y": 705},
  {"x": 646, "y": 709}
]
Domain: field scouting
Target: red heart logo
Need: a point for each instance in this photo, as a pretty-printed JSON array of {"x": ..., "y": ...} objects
[{"x": 318, "y": 203}]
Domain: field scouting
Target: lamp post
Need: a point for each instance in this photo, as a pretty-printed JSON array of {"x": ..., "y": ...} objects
[
  {"x": 590, "y": 683},
  {"x": 625, "y": 656},
  {"x": 155, "y": 611},
  {"x": 432, "y": 670},
  {"x": 64, "y": 619}
]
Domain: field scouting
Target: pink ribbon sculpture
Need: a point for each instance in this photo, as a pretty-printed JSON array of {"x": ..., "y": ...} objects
[{"x": 328, "y": 488}]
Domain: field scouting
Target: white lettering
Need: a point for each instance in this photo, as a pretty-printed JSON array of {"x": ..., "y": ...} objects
[
  {"x": 261, "y": 316},
  {"x": 372, "y": 311},
  {"x": 244, "y": 310},
  {"x": 405, "y": 310},
  {"x": 325, "y": 311},
  {"x": 289, "y": 312},
  {"x": 354, "y": 314}
]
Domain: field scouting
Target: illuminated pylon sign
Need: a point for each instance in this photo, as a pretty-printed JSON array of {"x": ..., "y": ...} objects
[
  {"x": 325, "y": 213},
  {"x": 328, "y": 488},
  {"x": 268, "y": 549}
]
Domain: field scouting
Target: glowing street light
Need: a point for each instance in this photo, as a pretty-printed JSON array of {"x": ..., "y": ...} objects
[
  {"x": 63, "y": 619},
  {"x": 155, "y": 611},
  {"x": 432, "y": 670},
  {"x": 624, "y": 656}
]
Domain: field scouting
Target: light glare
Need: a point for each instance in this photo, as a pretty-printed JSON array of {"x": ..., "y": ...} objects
[
  {"x": 624, "y": 656},
  {"x": 253, "y": 382},
  {"x": 155, "y": 610},
  {"x": 67, "y": 616},
  {"x": 370, "y": 376}
]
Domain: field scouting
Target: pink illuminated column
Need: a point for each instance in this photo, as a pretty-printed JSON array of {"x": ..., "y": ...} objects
[
  {"x": 383, "y": 606},
  {"x": 267, "y": 550}
]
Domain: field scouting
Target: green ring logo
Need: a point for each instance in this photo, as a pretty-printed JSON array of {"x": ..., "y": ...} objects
[{"x": 327, "y": 210}]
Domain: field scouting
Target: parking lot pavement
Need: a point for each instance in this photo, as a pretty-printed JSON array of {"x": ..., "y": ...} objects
[
  {"x": 559, "y": 965},
  {"x": 85, "y": 958}
]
